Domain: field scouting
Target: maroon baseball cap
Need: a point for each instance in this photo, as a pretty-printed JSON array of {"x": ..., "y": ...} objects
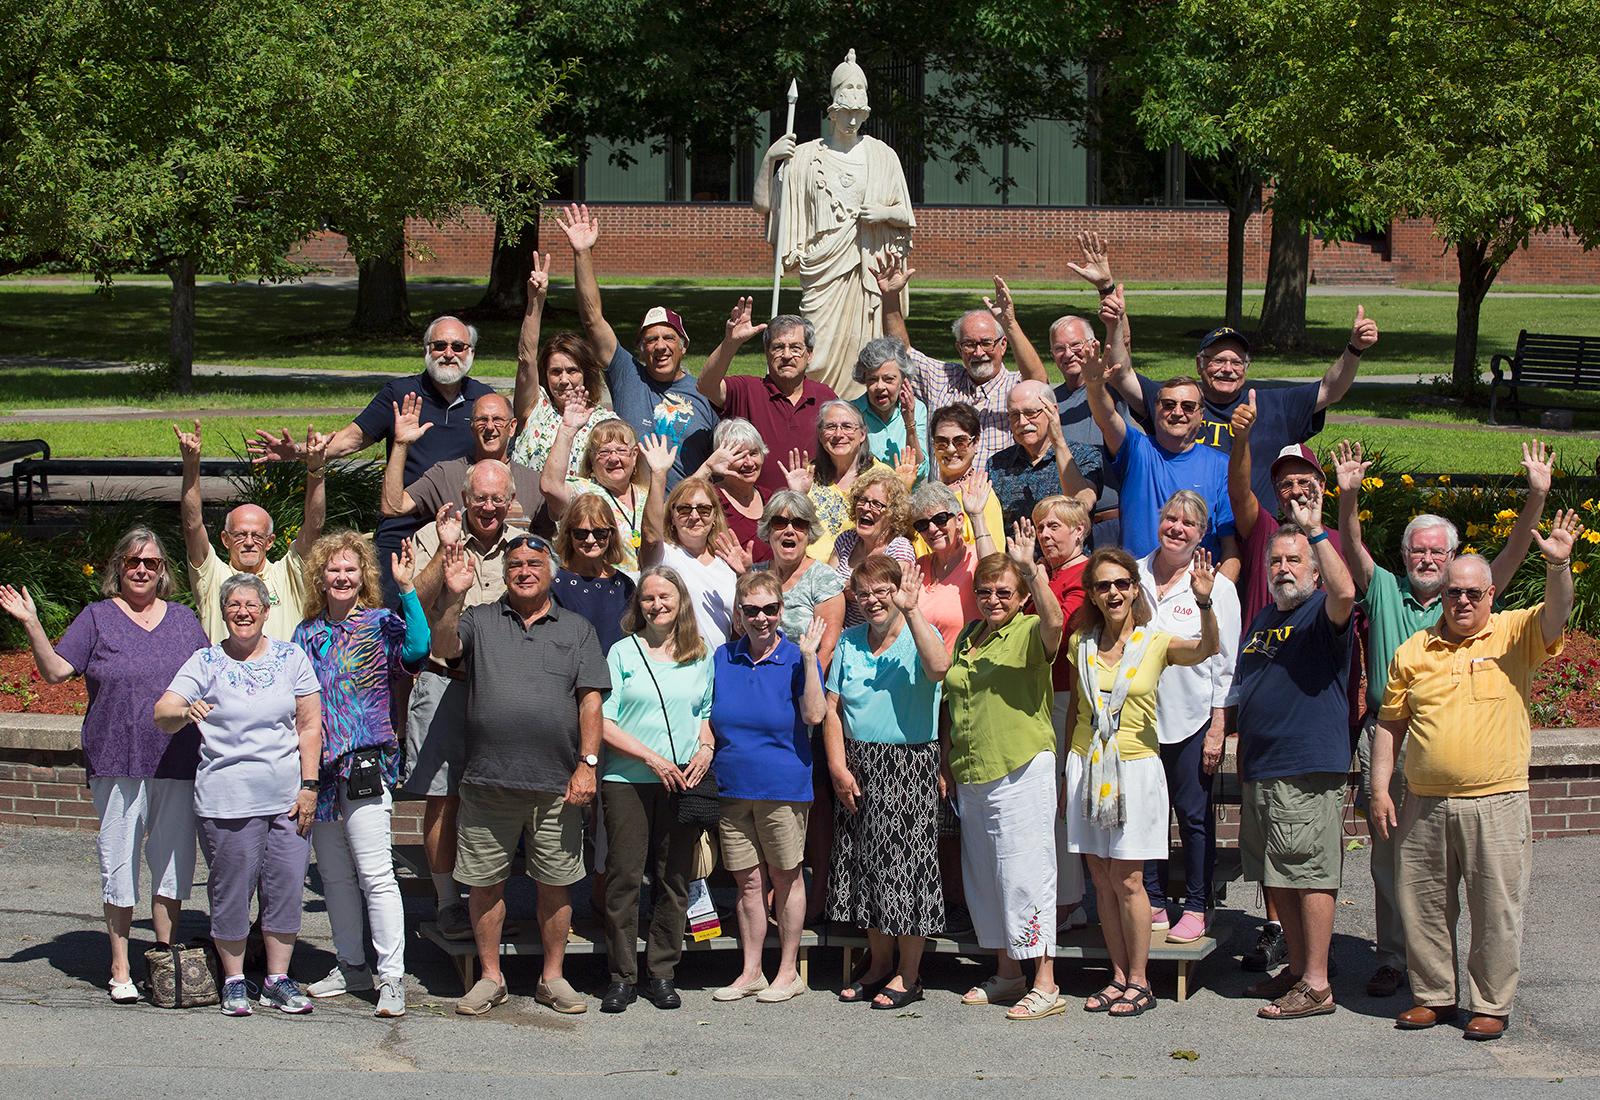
[
  {"x": 660, "y": 315},
  {"x": 1296, "y": 451}
]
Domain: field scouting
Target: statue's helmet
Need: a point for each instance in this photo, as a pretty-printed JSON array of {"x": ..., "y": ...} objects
[{"x": 849, "y": 86}]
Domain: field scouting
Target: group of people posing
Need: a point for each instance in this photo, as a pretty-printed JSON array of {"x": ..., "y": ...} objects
[{"x": 911, "y": 658}]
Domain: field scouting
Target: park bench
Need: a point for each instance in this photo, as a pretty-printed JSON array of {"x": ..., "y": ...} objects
[
  {"x": 1545, "y": 361},
  {"x": 27, "y": 471}
]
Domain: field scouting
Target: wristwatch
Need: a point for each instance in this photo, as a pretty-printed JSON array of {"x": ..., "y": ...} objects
[
  {"x": 310, "y": 785},
  {"x": 589, "y": 758}
]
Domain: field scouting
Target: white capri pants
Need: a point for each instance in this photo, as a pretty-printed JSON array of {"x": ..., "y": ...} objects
[
  {"x": 156, "y": 815},
  {"x": 355, "y": 859},
  {"x": 1008, "y": 858}
]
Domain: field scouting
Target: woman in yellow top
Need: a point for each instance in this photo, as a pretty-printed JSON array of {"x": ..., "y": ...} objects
[{"x": 1116, "y": 790}]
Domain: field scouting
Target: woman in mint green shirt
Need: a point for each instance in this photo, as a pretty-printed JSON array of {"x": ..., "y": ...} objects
[
  {"x": 657, "y": 743},
  {"x": 883, "y": 756}
]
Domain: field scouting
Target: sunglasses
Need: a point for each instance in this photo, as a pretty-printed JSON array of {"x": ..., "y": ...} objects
[
  {"x": 534, "y": 542},
  {"x": 457, "y": 346},
  {"x": 684, "y": 511},
  {"x": 770, "y": 610},
  {"x": 780, "y": 522},
  {"x": 154, "y": 565},
  {"x": 1167, "y": 404},
  {"x": 1001, "y": 594},
  {"x": 952, "y": 443},
  {"x": 938, "y": 519},
  {"x": 591, "y": 534},
  {"x": 1473, "y": 595},
  {"x": 1121, "y": 584}
]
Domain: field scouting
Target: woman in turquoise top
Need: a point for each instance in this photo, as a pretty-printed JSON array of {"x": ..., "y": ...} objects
[
  {"x": 897, "y": 423},
  {"x": 658, "y": 742},
  {"x": 883, "y": 756}
]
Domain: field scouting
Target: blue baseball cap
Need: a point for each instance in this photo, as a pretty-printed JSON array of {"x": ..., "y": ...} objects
[{"x": 1226, "y": 332}]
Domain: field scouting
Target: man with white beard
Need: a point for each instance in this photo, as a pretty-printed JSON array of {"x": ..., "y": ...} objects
[
  {"x": 447, "y": 394},
  {"x": 1398, "y": 607},
  {"x": 1291, "y": 709}
]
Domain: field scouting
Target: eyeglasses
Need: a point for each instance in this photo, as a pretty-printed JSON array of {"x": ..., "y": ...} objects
[
  {"x": 154, "y": 565},
  {"x": 684, "y": 511},
  {"x": 1024, "y": 414},
  {"x": 1436, "y": 553},
  {"x": 1226, "y": 360},
  {"x": 1473, "y": 595},
  {"x": 979, "y": 345},
  {"x": 601, "y": 535},
  {"x": 1121, "y": 584},
  {"x": 613, "y": 452},
  {"x": 770, "y": 610},
  {"x": 787, "y": 349},
  {"x": 882, "y": 595},
  {"x": 1001, "y": 594},
  {"x": 1303, "y": 481},
  {"x": 952, "y": 442},
  {"x": 497, "y": 501},
  {"x": 877, "y": 506},
  {"x": 249, "y": 536},
  {"x": 1167, "y": 404},
  {"x": 242, "y": 605},
  {"x": 490, "y": 421},
  {"x": 928, "y": 523},
  {"x": 780, "y": 522},
  {"x": 457, "y": 346},
  {"x": 846, "y": 428},
  {"x": 1075, "y": 345}
]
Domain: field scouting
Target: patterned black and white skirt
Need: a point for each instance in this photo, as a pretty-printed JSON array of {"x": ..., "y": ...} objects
[{"x": 885, "y": 866}]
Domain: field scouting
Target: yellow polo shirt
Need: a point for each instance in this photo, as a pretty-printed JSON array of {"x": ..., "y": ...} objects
[{"x": 1467, "y": 705}]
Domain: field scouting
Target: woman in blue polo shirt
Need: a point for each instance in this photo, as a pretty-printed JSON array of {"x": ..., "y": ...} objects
[{"x": 767, "y": 692}]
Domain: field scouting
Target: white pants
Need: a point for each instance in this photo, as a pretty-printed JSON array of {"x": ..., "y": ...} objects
[
  {"x": 1008, "y": 859},
  {"x": 154, "y": 814},
  {"x": 1069, "y": 865},
  {"x": 355, "y": 857}
]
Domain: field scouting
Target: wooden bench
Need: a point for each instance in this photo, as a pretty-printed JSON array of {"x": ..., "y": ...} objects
[
  {"x": 1545, "y": 361},
  {"x": 14, "y": 450},
  {"x": 1080, "y": 943},
  {"x": 464, "y": 954},
  {"x": 25, "y": 472}
]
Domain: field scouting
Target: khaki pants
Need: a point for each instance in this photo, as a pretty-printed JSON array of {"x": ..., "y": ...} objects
[
  {"x": 1485, "y": 843},
  {"x": 644, "y": 834},
  {"x": 1391, "y": 932}
]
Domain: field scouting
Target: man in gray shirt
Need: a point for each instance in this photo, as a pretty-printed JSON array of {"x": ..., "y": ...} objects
[{"x": 534, "y": 676}]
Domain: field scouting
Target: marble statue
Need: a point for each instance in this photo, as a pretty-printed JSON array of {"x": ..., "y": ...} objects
[{"x": 839, "y": 206}]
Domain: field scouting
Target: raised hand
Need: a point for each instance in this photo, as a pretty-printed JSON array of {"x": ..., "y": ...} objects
[
  {"x": 189, "y": 442},
  {"x": 908, "y": 405},
  {"x": 1539, "y": 462},
  {"x": 797, "y": 471},
  {"x": 408, "y": 425},
  {"x": 539, "y": 278},
  {"x": 1096, "y": 266},
  {"x": 906, "y": 467},
  {"x": 1097, "y": 368},
  {"x": 811, "y": 641},
  {"x": 658, "y": 453},
  {"x": 1564, "y": 531},
  {"x": 581, "y": 227},
  {"x": 1364, "y": 332},
  {"x": 726, "y": 546},
  {"x": 403, "y": 566},
  {"x": 974, "y": 491},
  {"x": 909, "y": 594},
  {"x": 447, "y": 520},
  {"x": 1002, "y": 305},
  {"x": 18, "y": 603},
  {"x": 266, "y": 447},
  {"x": 576, "y": 412},
  {"x": 460, "y": 568},
  {"x": 1244, "y": 417},
  {"x": 1113, "y": 308},
  {"x": 738, "y": 328},
  {"x": 1202, "y": 574},
  {"x": 316, "y": 451},
  {"x": 720, "y": 459},
  {"x": 1019, "y": 547},
  {"x": 1349, "y": 469},
  {"x": 892, "y": 273}
]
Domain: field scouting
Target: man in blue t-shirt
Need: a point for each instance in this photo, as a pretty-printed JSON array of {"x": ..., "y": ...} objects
[
  {"x": 1291, "y": 709},
  {"x": 649, "y": 387},
  {"x": 1153, "y": 467}
]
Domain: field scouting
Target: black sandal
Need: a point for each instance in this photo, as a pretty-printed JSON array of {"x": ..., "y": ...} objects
[
  {"x": 861, "y": 992},
  {"x": 1142, "y": 1001},
  {"x": 898, "y": 998},
  {"x": 1100, "y": 1002}
]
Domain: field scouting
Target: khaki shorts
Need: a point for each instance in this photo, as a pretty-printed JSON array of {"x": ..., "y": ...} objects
[
  {"x": 757, "y": 831},
  {"x": 1291, "y": 831},
  {"x": 492, "y": 818}
]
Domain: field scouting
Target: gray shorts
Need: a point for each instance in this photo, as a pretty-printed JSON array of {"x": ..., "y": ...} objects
[
  {"x": 436, "y": 742},
  {"x": 1291, "y": 831}
]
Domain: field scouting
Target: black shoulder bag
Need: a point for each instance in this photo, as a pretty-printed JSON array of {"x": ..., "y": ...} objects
[{"x": 699, "y": 805}]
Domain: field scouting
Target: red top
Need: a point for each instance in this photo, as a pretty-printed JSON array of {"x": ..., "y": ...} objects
[
  {"x": 784, "y": 424},
  {"x": 1067, "y": 584}
]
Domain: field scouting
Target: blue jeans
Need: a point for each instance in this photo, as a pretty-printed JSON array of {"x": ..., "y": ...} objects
[{"x": 1189, "y": 791}]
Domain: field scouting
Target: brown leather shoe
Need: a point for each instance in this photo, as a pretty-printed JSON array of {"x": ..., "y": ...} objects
[
  {"x": 1421, "y": 1017},
  {"x": 1484, "y": 1028}
]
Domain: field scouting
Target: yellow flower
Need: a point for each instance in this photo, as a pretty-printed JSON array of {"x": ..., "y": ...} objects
[
  {"x": 88, "y": 570},
  {"x": 1505, "y": 513},
  {"x": 1474, "y": 530},
  {"x": 1502, "y": 530},
  {"x": 1469, "y": 549},
  {"x": 1364, "y": 515},
  {"x": 1591, "y": 535},
  {"x": 1369, "y": 483},
  {"x": 1408, "y": 481},
  {"x": 1589, "y": 505},
  {"x": 1444, "y": 479},
  {"x": 1579, "y": 566}
]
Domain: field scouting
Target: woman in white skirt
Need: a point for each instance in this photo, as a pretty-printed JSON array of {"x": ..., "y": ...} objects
[
  {"x": 1116, "y": 789},
  {"x": 999, "y": 753}
]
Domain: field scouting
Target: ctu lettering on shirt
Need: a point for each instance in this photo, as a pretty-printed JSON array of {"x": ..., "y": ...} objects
[
  {"x": 1211, "y": 434},
  {"x": 1267, "y": 642}
]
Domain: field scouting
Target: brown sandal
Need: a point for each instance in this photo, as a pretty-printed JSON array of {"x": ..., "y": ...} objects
[{"x": 1300, "y": 1002}]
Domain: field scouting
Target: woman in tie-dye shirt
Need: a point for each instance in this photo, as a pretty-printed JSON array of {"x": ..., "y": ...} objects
[{"x": 359, "y": 650}]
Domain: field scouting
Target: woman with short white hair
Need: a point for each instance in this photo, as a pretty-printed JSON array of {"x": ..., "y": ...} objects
[
  {"x": 734, "y": 465},
  {"x": 897, "y": 423}
]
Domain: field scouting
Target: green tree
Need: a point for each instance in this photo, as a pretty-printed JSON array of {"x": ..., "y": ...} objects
[{"x": 1482, "y": 116}]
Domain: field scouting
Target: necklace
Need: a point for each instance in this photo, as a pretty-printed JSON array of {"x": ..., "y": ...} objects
[{"x": 631, "y": 518}]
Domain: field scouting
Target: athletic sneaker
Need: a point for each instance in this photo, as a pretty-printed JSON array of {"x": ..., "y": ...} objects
[
  {"x": 454, "y": 922},
  {"x": 285, "y": 996},
  {"x": 1270, "y": 950},
  {"x": 391, "y": 998},
  {"x": 236, "y": 997},
  {"x": 1159, "y": 920},
  {"x": 342, "y": 979}
]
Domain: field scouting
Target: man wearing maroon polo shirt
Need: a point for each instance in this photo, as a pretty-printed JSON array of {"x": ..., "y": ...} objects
[{"x": 782, "y": 404}]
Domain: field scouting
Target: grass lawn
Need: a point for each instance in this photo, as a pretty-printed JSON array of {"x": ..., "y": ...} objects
[
  {"x": 1449, "y": 450},
  {"x": 224, "y": 435}
]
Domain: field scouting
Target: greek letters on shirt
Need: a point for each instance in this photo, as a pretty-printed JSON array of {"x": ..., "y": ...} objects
[{"x": 1268, "y": 642}]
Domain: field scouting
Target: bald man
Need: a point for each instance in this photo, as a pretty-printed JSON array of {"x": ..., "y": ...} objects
[
  {"x": 248, "y": 536},
  {"x": 1040, "y": 462}
]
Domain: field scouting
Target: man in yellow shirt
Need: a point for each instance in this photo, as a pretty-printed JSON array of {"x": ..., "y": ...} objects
[{"x": 1460, "y": 690}]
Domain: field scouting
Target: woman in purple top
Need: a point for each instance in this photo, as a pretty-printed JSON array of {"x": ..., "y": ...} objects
[{"x": 128, "y": 647}]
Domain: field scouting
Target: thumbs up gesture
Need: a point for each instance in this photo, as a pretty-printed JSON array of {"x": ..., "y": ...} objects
[
  {"x": 1244, "y": 417},
  {"x": 1364, "y": 332}
]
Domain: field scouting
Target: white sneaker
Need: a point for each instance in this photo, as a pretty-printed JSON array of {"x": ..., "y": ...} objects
[
  {"x": 391, "y": 998},
  {"x": 342, "y": 979},
  {"x": 124, "y": 993}
]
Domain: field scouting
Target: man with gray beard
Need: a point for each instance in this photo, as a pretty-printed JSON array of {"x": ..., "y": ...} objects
[
  {"x": 447, "y": 394},
  {"x": 1291, "y": 709},
  {"x": 1397, "y": 607}
]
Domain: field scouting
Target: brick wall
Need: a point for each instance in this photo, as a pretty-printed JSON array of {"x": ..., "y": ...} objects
[{"x": 969, "y": 242}]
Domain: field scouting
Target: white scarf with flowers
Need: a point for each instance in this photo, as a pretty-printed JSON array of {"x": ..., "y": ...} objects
[{"x": 1105, "y": 806}]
